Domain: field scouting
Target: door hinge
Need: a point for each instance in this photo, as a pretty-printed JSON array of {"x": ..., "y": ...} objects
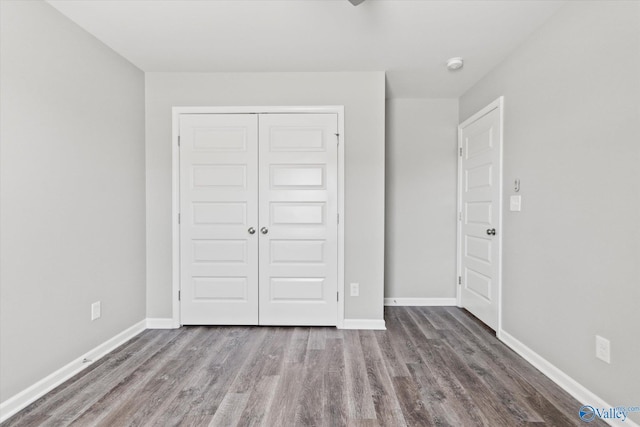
[
  {"x": 337, "y": 138},
  {"x": 460, "y": 151},
  {"x": 459, "y": 280},
  {"x": 338, "y": 296},
  {"x": 178, "y": 218},
  {"x": 338, "y": 218},
  {"x": 178, "y": 140},
  {"x": 179, "y": 296},
  {"x": 459, "y": 216}
]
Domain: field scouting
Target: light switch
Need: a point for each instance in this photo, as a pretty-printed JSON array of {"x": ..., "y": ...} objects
[{"x": 515, "y": 203}]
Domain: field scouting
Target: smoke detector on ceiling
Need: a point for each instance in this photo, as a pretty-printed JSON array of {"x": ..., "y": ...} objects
[{"x": 454, "y": 64}]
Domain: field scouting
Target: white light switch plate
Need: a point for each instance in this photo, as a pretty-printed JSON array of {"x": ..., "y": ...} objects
[{"x": 515, "y": 203}]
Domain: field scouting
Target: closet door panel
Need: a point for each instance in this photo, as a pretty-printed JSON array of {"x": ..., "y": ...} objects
[
  {"x": 218, "y": 206},
  {"x": 298, "y": 219}
]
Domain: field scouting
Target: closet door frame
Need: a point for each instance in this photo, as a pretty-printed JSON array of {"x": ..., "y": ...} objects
[{"x": 175, "y": 165}]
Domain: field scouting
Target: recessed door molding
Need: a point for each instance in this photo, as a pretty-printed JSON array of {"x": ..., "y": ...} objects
[{"x": 176, "y": 114}]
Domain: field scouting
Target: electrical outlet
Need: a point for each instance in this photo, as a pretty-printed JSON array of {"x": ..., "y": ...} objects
[
  {"x": 95, "y": 310},
  {"x": 603, "y": 349},
  {"x": 355, "y": 289}
]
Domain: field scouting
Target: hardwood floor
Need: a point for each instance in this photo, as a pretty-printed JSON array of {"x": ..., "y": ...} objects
[{"x": 433, "y": 366}]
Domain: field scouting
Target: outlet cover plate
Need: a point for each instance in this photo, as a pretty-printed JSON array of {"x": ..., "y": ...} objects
[
  {"x": 95, "y": 310},
  {"x": 355, "y": 289},
  {"x": 603, "y": 349}
]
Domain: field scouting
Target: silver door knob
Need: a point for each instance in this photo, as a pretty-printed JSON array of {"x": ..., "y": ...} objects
[
  {"x": 251, "y": 230},
  {"x": 491, "y": 231},
  {"x": 264, "y": 230}
]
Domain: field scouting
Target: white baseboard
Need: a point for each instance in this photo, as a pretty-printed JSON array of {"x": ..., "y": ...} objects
[
  {"x": 568, "y": 384},
  {"x": 160, "y": 323},
  {"x": 420, "y": 302},
  {"x": 29, "y": 395},
  {"x": 364, "y": 324}
]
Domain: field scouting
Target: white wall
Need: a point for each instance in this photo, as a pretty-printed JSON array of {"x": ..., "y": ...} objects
[
  {"x": 362, "y": 94},
  {"x": 421, "y": 208},
  {"x": 572, "y": 136},
  {"x": 72, "y": 193}
]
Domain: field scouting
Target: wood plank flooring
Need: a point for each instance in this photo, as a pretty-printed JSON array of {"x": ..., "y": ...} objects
[{"x": 433, "y": 366}]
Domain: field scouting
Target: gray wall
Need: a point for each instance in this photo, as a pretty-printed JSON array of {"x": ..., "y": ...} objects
[
  {"x": 572, "y": 256},
  {"x": 420, "y": 255},
  {"x": 362, "y": 94},
  {"x": 72, "y": 193}
]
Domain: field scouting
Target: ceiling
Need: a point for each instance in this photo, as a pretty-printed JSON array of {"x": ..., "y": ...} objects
[{"x": 409, "y": 39}]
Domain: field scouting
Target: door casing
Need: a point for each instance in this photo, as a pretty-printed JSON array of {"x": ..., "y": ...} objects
[
  {"x": 175, "y": 188},
  {"x": 499, "y": 105}
]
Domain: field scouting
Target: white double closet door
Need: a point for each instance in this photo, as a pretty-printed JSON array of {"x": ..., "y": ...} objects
[{"x": 258, "y": 228}]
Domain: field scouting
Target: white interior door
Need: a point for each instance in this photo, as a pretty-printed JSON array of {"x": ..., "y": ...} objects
[
  {"x": 298, "y": 219},
  {"x": 480, "y": 191},
  {"x": 218, "y": 213}
]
